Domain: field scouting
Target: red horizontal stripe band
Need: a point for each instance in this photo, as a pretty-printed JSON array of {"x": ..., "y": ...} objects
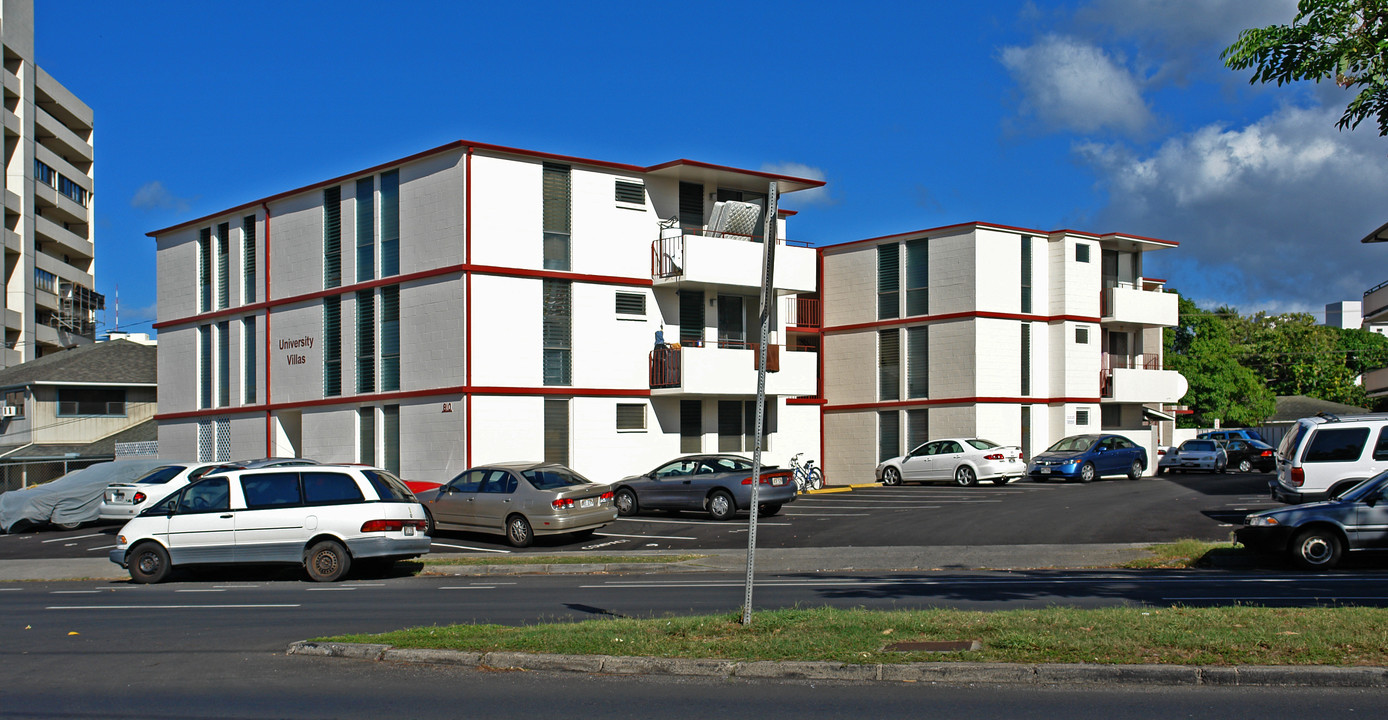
[
  {"x": 973, "y": 314},
  {"x": 893, "y": 404}
]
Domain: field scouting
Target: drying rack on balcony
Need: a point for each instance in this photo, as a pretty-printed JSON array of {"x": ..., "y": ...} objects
[{"x": 730, "y": 219}]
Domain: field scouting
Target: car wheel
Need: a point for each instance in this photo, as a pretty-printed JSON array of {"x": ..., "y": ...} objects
[
  {"x": 721, "y": 506},
  {"x": 518, "y": 531},
  {"x": 1087, "y": 472},
  {"x": 964, "y": 476},
  {"x": 1135, "y": 472},
  {"x": 327, "y": 561},
  {"x": 626, "y": 502},
  {"x": 770, "y": 509},
  {"x": 1245, "y": 466},
  {"x": 67, "y": 525},
  {"x": 1316, "y": 549},
  {"x": 428, "y": 522},
  {"x": 816, "y": 479},
  {"x": 149, "y": 563},
  {"x": 1220, "y": 467},
  {"x": 891, "y": 476}
]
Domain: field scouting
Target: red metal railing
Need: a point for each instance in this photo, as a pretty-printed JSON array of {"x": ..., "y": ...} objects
[
  {"x": 665, "y": 367},
  {"x": 808, "y": 312}
]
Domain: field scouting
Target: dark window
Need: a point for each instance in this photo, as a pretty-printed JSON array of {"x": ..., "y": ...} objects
[
  {"x": 388, "y": 487},
  {"x": 1081, "y": 253},
  {"x": 366, "y": 229},
  {"x": 1111, "y": 416},
  {"x": 390, "y": 337},
  {"x": 223, "y": 263},
  {"x": 160, "y": 475},
  {"x": 556, "y": 332},
  {"x": 749, "y": 425},
  {"x": 692, "y": 318},
  {"x": 248, "y": 258},
  {"x": 551, "y": 478},
  {"x": 888, "y": 281},
  {"x": 888, "y": 365},
  {"x": 1026, "y": 432},
  {"x": 1026, "y": 273},
  {"x": 631, "y": 304},
  {"x": 917, "y": 277},
  {"x": 631, "y": 416},
  {"x": 205, "y": 366},
  {"x": 366, "y": 435},
  {"x": 888, "y": 434},
  {"x": 205, "y": 269},
  {"x": 366, "y": 341},
  {"x": 271, "y": 490},
  {"x": 556, "y": 219},
  {"x": 1026, "y": 359},
  {"x": 329, "y": 488},
  {"x": 631, "y": 192},
  {"x": 1081, "y": 417},
  {"x": 468, "y": 482},
  {"x": 1082, "y": 335},
  {"x": 557, "y": 431},
  {"x": 1381, "y": 447},
  {"x": 729, "y": 425},
  {"x": 15, "y": 399},
  {"x": 918, "y": 362},
  {"x": 223, "y": 364},
  {"x": 917, "y": 427},
  {"x": 390, "y": 223},
  {"x": 691, "y": 426},
  {"x": 1336, "y": 445},
  {"x": 500, "y": 482},
  {"x": 691, "y": 206},
  {"x": 248, "y": 359},
  {"x": 332, "y": 345},
  {"x": 91, "y": 401},
  {"x": 390, "y": 429},
  {"x": 332, "y": 237}
]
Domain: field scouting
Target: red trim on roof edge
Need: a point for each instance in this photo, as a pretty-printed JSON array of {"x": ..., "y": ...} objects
[{"x": 998, "y": 226}]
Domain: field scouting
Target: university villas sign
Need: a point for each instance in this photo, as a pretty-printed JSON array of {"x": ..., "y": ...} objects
[{"x": 294, "y": 345}]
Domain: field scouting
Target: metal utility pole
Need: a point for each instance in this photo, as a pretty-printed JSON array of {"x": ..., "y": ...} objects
[{"x": 768, "y": 265}]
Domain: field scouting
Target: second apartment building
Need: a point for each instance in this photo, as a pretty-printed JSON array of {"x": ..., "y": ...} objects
[
  {"x": 475, "y": 303},
  {"x": 1016, "y": 335}
]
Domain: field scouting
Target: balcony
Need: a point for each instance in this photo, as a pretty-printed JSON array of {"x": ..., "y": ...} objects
[
  {"x": 1376, "y": 382},
  {"x": 1147, "y": 306},
  {"x": 1139, "y": 379},
  {"x": 1376, "y": 303},
  {"x": 802, "y": 311},
  {"x": 681, "y": 255},
  {"x": 730, "y": 371}
]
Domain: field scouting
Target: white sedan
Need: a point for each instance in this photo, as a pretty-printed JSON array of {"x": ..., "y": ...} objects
[
  {"x": 964, "y": 461},
  {"x": 123, "y": 501}
]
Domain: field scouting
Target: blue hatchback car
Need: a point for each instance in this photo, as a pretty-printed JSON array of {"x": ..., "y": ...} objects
[{"x": 1085, "y": 457}]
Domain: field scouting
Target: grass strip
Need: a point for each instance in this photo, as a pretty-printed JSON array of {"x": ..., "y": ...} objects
[
  {"x": 1185, "y": 553},
  {"x": 556, "y": 559},
  {"x": 1237, "y": 635}
]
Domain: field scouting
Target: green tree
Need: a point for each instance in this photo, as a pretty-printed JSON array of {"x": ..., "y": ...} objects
[
  {"x": 1341, "y": 40},
  {"x": 1202, "y": 348}
]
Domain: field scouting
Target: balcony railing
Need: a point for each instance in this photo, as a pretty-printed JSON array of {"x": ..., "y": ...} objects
[
  {"x": 666, "y": 362},
  {"x": 1139, "y": 361},
  {"x": 802, "y": 311}
]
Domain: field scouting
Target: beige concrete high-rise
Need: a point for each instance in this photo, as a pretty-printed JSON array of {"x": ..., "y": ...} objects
[{"x": 49, "y": 271}]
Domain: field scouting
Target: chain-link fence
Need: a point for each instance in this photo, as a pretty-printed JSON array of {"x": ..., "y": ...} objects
[{"x": 19, "y": 475}]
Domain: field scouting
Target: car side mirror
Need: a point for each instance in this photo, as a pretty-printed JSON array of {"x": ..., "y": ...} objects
[{"x": 1371, "y": 501}]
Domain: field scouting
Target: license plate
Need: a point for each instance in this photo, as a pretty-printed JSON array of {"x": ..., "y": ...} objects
[
  {"x": 585, "y": 503},
  {"x": 778, "y": 481},
  {"x": 1044, "y": 471},
  {"x": 409, "y": 529}
]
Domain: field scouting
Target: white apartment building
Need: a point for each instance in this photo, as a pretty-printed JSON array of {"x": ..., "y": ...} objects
[
  {"x": 980, "y": 330},
  {"x": 49, "y": 271},
  {"x": 475, "y": 303}
]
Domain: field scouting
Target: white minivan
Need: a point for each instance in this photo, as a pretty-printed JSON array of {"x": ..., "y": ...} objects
[
  {"x": 322, "y": 517},
  {"x": 1325, "y": 455}
]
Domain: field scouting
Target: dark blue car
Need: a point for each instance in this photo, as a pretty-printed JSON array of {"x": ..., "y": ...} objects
[{"x": 1085, "y": 457}]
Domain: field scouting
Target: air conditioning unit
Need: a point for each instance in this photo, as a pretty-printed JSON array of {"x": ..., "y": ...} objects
[{"x": 9, "y": 411}]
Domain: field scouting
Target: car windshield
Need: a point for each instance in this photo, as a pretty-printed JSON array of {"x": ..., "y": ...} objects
[
  {"x": 982, "y": 444},
  {"x": 388, "y": 487},
  {"x": 160, "y": 475},
  {"x": 1197, "y": 446},
  {"x": 1364, "y": 489},
  {"x": 554, "y": 478},
  {"x": 1078, "y": 443}
]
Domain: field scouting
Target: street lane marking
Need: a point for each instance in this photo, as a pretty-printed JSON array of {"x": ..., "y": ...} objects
[
  {"x": 103, "y": 547},
  {"x": 468, "y": 547},
  {"x": 202, "y": 590},
  {"x": 74, "y": 592},
  {"x": 875, "y": 507},
  {"x": 78, "y": 537},
  {"x": 331, "y": 589},
  {"x": 800, "y": 514},
  {"x": 644, "y": 537},
  {"x": 172, "y": 607},
  {"x": 468, "y": 587},
  {"x": 653, "y": 520}
]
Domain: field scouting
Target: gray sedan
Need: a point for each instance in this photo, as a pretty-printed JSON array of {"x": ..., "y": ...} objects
[
  {"x": 520, "y": 501},
  {"x": 718, "y": 484}
]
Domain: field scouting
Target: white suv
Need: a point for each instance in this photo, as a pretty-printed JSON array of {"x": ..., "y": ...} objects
[
  {"x": 1326, "y": 455},
  {"x": 322, "y": 517}
]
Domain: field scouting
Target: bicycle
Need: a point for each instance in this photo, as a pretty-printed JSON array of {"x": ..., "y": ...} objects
[{"x": 807, "y": 476}]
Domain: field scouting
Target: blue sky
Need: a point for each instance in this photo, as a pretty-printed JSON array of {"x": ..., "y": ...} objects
[{"x": 1097, "y": 115}]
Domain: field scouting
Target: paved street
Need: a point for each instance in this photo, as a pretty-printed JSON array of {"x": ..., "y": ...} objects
[{"x": 1021, "y": 513}]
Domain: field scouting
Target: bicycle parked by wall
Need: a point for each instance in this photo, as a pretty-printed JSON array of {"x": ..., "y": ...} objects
[{"x": 807, "y": 476}]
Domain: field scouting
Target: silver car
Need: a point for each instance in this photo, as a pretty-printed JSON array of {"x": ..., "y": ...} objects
[
  {"x": 520, "y": 501},
  {"x": 1194, "y": 455}
]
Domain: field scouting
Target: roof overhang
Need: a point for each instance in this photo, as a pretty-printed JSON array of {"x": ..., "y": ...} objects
[
  {"x": 1151, "y": 414},
  {"x": 1379, "y": 235},
  {"x": 719, "y": 176}
]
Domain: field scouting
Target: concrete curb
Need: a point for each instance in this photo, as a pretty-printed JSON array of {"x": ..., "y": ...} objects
[{"x": 938, "y": 672}]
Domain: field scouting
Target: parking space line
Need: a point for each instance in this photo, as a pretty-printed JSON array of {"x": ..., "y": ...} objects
[
  {"x": 645, "y": 537},
  {"x": 468, "y": 547},
  {"x": 331, "y": 589},
  {"x": 653, "y": 520},
  {"x": 172, "y": 607},
  {"x": 103, "y": 547},
  {"x": 800, "y": 514},
  {"x": 202, "y": 590},
  {"x": 874, "y": 507},
  {"x": 468, "y": 587},
  {"x": 78, "y": 537},
  {"x": 73, "y": 592}
]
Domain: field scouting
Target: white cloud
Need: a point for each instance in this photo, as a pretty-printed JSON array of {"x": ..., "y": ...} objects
[
  {"x": 1069, "y": 84},
  {"x": 813, "y": 196},
  {"x": 154, "y": 196},
  {"x": 1268, "y": 216}
]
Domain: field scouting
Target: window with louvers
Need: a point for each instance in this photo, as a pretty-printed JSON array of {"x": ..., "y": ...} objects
[
  {"x": 366, "y": 436},
  {"x": 888, "y": 281},
  {"x": 223, "y": 364},
  {"x": 248, "y": 364},
  {"x": 729, "y": 425},
  {"x": 917, "y": 428},
  {"x": 223, "y": 261},
  {"x": 556, "y": 208},
  {"x": 1026, "y": 358},
  {"x": 557, "y": 430},
  {"x": 631, "y": 416},
  {"x": 917, "y": 277},
  {"x": 557, "y": 331},
  {"x": 390, "y": 338},
  {"x": 205, "y": 269},
  {"x": 1026, "y": 273},
  {"x": 631, "y": 192},
  {"x": 691, "y": 205},
  {"x": 888, "y": 365},
  {"x": 332, "y": 237},
  {"x": 248, "y": 261},
  {"x": 631, "y": 304},
  {"x": 205, "y": 366},
  {"x": 390, "y": 429},
  {"x": 390, "y": 223},
  {"x": 332, "y": 346},
  {"x": 888, "y": 434},
  {"x": 366, "y": 341},
  {"x": 366, "y": 229},
  {"x": 691, "y": 426},
  {"x": 918, "y": 362},
  {"x": 692, "y": 318}
]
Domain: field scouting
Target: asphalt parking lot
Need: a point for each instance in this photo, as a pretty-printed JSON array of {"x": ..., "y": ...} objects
[{"x": 1203, "y": 506}]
